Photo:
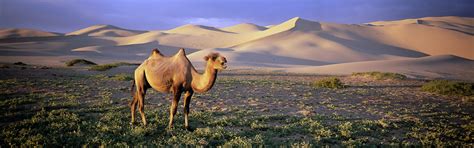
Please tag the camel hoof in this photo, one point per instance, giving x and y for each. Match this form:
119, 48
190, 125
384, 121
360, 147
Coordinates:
188, 128
170, 132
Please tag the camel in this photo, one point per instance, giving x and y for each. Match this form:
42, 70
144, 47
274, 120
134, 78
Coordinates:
174, 75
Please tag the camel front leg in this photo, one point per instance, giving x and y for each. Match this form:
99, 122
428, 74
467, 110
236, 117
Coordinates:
174, 107
187, 100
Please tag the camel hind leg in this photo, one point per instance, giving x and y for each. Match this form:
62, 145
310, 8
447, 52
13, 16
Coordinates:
133, 106
139, 95
141, 106
138, 98
174, 106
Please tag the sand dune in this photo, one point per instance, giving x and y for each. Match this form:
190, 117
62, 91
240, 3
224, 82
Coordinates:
325, 47
429, 40
244, 28
19, 33
431, 35
187, 36
105, 30
131, 52
440, 66
420, 47
151, 36
448, 20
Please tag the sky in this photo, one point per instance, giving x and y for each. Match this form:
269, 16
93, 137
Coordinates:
69, 15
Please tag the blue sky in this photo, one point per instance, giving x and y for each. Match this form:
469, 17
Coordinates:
65, 16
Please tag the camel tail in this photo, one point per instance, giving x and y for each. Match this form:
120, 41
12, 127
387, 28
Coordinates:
132, 91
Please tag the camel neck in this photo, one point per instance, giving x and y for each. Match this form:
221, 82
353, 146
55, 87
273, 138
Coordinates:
203, 82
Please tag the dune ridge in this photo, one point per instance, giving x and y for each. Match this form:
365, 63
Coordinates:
244, 28
105, 30
24, 32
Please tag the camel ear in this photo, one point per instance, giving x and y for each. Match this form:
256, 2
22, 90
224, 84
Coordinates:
154, 51
181, 51
211, 56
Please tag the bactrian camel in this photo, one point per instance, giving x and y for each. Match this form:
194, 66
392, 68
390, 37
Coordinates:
174, 75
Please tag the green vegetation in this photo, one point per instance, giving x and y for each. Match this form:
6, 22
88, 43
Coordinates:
19, 63
4, 66
79, 110
105, 67
117, 77
381, 75
122, 77
79, 61
330, 82
447, 87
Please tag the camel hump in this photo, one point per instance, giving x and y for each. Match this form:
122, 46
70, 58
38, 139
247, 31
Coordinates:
156, 53
181, 52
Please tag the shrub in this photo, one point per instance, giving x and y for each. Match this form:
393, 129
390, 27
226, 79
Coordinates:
381, 75
105, 67
79, 61
122, 77
330, 82
4, 66
446, 87
19, 63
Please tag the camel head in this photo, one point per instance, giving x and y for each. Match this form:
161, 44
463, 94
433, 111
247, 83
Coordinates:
217, 61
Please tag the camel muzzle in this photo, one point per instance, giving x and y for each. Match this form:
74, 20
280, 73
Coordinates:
224, 66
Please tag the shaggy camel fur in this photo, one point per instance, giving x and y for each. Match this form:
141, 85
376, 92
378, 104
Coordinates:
175, 75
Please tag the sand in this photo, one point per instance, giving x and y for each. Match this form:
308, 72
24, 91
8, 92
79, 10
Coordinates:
244, 28
423, 47
440, 66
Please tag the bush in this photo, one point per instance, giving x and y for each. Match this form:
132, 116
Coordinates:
4, 66
446, 87
381, 75
122, 77
330, 82
19, 63
105, 67
79, 61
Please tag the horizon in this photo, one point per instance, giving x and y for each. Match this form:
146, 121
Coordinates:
68, 16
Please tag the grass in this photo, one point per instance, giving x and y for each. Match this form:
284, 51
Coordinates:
122, 77
446, 87
93, 111
79, 61
330, 82
105, 67
117, 77
381, 75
